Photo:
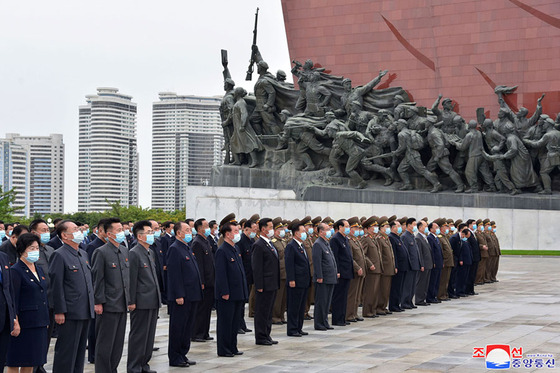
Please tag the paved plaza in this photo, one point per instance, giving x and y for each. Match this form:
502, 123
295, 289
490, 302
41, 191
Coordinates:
522, 310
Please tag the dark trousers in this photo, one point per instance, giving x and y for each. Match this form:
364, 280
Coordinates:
452, 287
242, 324
433, 288
203, 314
70, 347
409, 288
462, 278
422, 285
323, 298
471, 278
229, 317
109, 341
141, 339
395, 295
181, 320
4, 337
91, 341
296, 304
340, 301
264, 303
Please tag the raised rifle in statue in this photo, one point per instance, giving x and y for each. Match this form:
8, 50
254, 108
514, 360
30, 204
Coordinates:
252, 60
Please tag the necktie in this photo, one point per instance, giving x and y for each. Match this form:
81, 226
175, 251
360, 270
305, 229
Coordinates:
273, 249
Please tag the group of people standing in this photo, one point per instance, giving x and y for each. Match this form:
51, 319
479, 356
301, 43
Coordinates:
85, 286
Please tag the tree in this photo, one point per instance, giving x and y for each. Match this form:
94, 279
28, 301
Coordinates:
7, 208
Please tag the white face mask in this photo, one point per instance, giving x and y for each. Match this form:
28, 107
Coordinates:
270, 233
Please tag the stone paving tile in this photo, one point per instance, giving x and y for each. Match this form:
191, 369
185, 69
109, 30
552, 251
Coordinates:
521, 310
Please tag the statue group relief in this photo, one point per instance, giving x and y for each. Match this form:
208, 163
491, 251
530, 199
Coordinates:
361, 133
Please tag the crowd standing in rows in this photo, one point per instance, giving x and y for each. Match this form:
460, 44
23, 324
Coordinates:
84, 285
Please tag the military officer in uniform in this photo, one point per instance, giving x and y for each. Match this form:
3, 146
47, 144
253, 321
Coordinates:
480, 234
372, 283
387, 265
309, 225
111, 278
495, 258
145, 299
279, 243
447, 253
361, 264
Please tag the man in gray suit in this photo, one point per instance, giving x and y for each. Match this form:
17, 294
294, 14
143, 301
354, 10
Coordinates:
111, 286
145, 299
72, 292
325, 277
426, 255
411, 276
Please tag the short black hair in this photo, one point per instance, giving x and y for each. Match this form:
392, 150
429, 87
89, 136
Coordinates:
322, 227
109, 222
24, 241
227, 227
212, 223
57, 220
264, 222
101, 223
466, 232
62, 226
188, 220
177, 226
198, 223
470, 221
410, 221
461, 226
19, 229
249, 223
35, 223
139, 226
167, 224
295, 227
339, 223
392, 223
431, 225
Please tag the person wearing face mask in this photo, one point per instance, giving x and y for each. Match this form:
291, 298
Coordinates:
437, 256
447, 253
145, 299
40, 228
310, 231
342, 252
495, 252
360, 264
8, 322
402, 266
184, 293
157, 252
205, 259
452, 287
213, 237
480, 235
266, 274
9, 246
416, 263
425, 254
29, 348
2, 232
372, 282
231, 290
298, 279
325, 277
280, 302
111, 277
475, 254
463, 258
244, 246
387, 265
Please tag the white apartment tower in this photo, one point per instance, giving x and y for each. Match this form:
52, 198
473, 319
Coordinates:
187, 140
108, 154
34, 166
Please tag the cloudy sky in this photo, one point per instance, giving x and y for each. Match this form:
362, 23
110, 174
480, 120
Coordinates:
53, 53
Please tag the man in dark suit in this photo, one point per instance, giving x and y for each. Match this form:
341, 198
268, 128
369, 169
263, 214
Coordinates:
73, 302
416, 265
231, 291
245, 245
111, 277
213, 237
8, 322
205, 259
184, 292
55, 241
424, 275
158, 258
145, 299
298, 280
343, 256
463, 258
437, 256
8, 247
402, 266
266, 274
475, 254
325, 276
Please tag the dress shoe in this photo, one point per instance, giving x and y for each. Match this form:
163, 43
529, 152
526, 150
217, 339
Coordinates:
341, 324
180, 365
277, 323
264, 343
346, 323
191, 362
352, 320
149, 371
396, 310
321, 329
155, 349
330, 327
444, 300
422, 304
453, 297
241, 331
307, 317
387, 312
238, 353
294, 335
406, 307
359, 319
303, 333
225, 355
413, 306
284, 322
198, 340
369, 316
473, 293
273, 341
209, 338
247, 330
461, 295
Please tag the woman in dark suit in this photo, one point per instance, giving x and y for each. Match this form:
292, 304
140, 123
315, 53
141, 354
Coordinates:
29, 348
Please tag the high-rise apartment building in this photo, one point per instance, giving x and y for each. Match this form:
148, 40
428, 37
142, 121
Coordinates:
34, 166
108, 154
187, 140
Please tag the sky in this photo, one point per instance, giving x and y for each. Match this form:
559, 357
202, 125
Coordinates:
54, 53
